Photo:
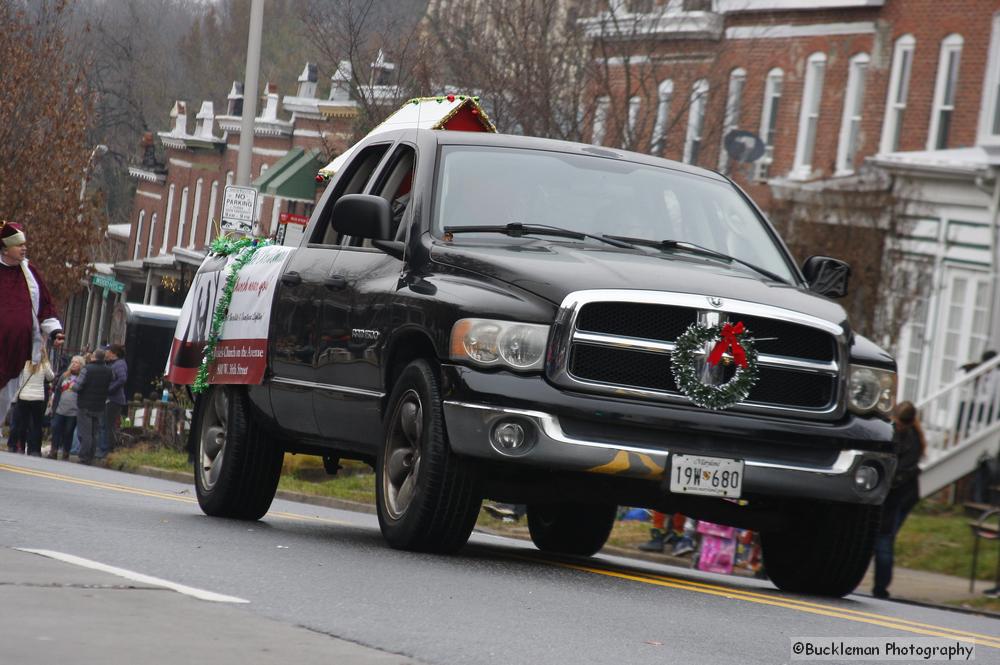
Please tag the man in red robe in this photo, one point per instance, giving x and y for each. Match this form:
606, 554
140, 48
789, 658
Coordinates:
26, 312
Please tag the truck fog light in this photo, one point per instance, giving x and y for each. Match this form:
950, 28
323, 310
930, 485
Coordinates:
866, 477
512, 436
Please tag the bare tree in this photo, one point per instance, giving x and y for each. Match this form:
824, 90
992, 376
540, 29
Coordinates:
45, 111
866, 225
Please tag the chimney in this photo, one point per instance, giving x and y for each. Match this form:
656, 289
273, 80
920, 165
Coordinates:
270, 111
206, 121
340, 89
236, 100
148, 145
307, 81
179, 114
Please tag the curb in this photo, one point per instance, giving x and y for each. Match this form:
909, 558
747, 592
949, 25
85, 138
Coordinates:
668, 559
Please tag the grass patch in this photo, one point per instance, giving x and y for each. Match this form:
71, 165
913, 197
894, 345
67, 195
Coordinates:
130, 459
938, 539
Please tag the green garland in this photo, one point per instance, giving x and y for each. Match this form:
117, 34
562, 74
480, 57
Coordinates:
245, 248
689, 346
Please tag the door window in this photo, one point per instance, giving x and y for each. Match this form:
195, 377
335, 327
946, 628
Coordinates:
353, 181
964, 323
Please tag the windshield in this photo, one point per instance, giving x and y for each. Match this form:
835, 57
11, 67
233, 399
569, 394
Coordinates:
480, 186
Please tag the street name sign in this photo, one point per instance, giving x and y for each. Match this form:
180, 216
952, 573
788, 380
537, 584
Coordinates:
109, 283
238, 209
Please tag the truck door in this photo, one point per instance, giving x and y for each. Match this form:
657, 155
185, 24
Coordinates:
297, 340
355, 315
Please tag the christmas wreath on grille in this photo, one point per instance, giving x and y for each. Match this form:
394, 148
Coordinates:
737, 341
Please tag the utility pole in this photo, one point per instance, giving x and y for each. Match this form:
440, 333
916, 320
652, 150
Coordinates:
250, 94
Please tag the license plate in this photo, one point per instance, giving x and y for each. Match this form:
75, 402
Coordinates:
711, 476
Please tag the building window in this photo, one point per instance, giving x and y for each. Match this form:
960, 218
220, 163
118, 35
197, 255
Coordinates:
166, 220
195, 212
769, 121
229, 178
182, 221
600, 120
850, 123
634, 104
138, 234
812, 95
734, 100
658, 142
989, 115
696, 121
212, 200
944, 92
899, 89
149, 235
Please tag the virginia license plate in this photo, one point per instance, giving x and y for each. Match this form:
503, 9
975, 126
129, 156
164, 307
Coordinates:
711, 476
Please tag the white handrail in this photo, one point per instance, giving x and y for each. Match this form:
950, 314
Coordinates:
981, 369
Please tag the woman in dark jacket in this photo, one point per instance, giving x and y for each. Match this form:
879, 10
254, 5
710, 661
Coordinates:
905, 492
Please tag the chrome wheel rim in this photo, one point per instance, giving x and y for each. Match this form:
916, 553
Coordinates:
401, 464
212, 442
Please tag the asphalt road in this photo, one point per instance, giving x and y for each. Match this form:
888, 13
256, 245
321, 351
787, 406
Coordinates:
321, 586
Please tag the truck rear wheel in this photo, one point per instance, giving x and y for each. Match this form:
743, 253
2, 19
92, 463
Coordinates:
237, 466
827, 550
571, 528
427, 497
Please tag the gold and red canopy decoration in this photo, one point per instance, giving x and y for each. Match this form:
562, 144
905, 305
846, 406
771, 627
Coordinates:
461, 113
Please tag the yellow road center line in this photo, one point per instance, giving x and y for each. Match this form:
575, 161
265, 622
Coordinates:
796, 601
787, 603
150, 493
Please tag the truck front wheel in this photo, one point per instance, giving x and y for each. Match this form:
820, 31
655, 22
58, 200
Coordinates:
825, 552
427, 497
571, 528
237, 466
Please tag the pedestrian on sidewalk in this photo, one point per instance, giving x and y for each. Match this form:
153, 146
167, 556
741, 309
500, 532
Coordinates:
111, 439
910, 444
92, 395
64, 409
30, 405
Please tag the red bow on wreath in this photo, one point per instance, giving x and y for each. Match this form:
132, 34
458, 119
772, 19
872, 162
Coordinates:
729, 341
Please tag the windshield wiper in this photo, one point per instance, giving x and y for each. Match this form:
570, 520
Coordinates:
696, 249
517, 230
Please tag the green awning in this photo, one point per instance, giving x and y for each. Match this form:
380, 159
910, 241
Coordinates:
293, 176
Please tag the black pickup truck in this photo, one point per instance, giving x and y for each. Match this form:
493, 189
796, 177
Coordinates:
490, 316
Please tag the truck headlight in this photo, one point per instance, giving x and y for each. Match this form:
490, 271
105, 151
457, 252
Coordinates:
492, 343
871, 390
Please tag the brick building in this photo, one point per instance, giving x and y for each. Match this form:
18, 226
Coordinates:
178, 200
842, 93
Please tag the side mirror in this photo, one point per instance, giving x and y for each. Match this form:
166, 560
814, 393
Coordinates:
827, 276
362, 216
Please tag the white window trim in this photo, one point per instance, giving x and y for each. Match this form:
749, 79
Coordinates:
696, 119
767, 111
599, 130
182, 221
734, 103
149, 235
903, 44
812, 103
950, 44
195, 212
212, 200
665, 93
138, 235
631, 122
166, 220
857, 70
991, 81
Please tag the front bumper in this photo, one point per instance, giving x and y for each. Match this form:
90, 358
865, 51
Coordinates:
556, 440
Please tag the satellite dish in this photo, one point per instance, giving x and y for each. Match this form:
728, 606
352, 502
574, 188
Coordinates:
744, 146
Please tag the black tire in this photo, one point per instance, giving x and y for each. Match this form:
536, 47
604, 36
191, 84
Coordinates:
826, 553
571, 528
427, 497
236, 469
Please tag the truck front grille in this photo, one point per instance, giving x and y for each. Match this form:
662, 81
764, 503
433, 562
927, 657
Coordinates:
624, 348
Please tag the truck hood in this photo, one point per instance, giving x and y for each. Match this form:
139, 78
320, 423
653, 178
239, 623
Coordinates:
553, 270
